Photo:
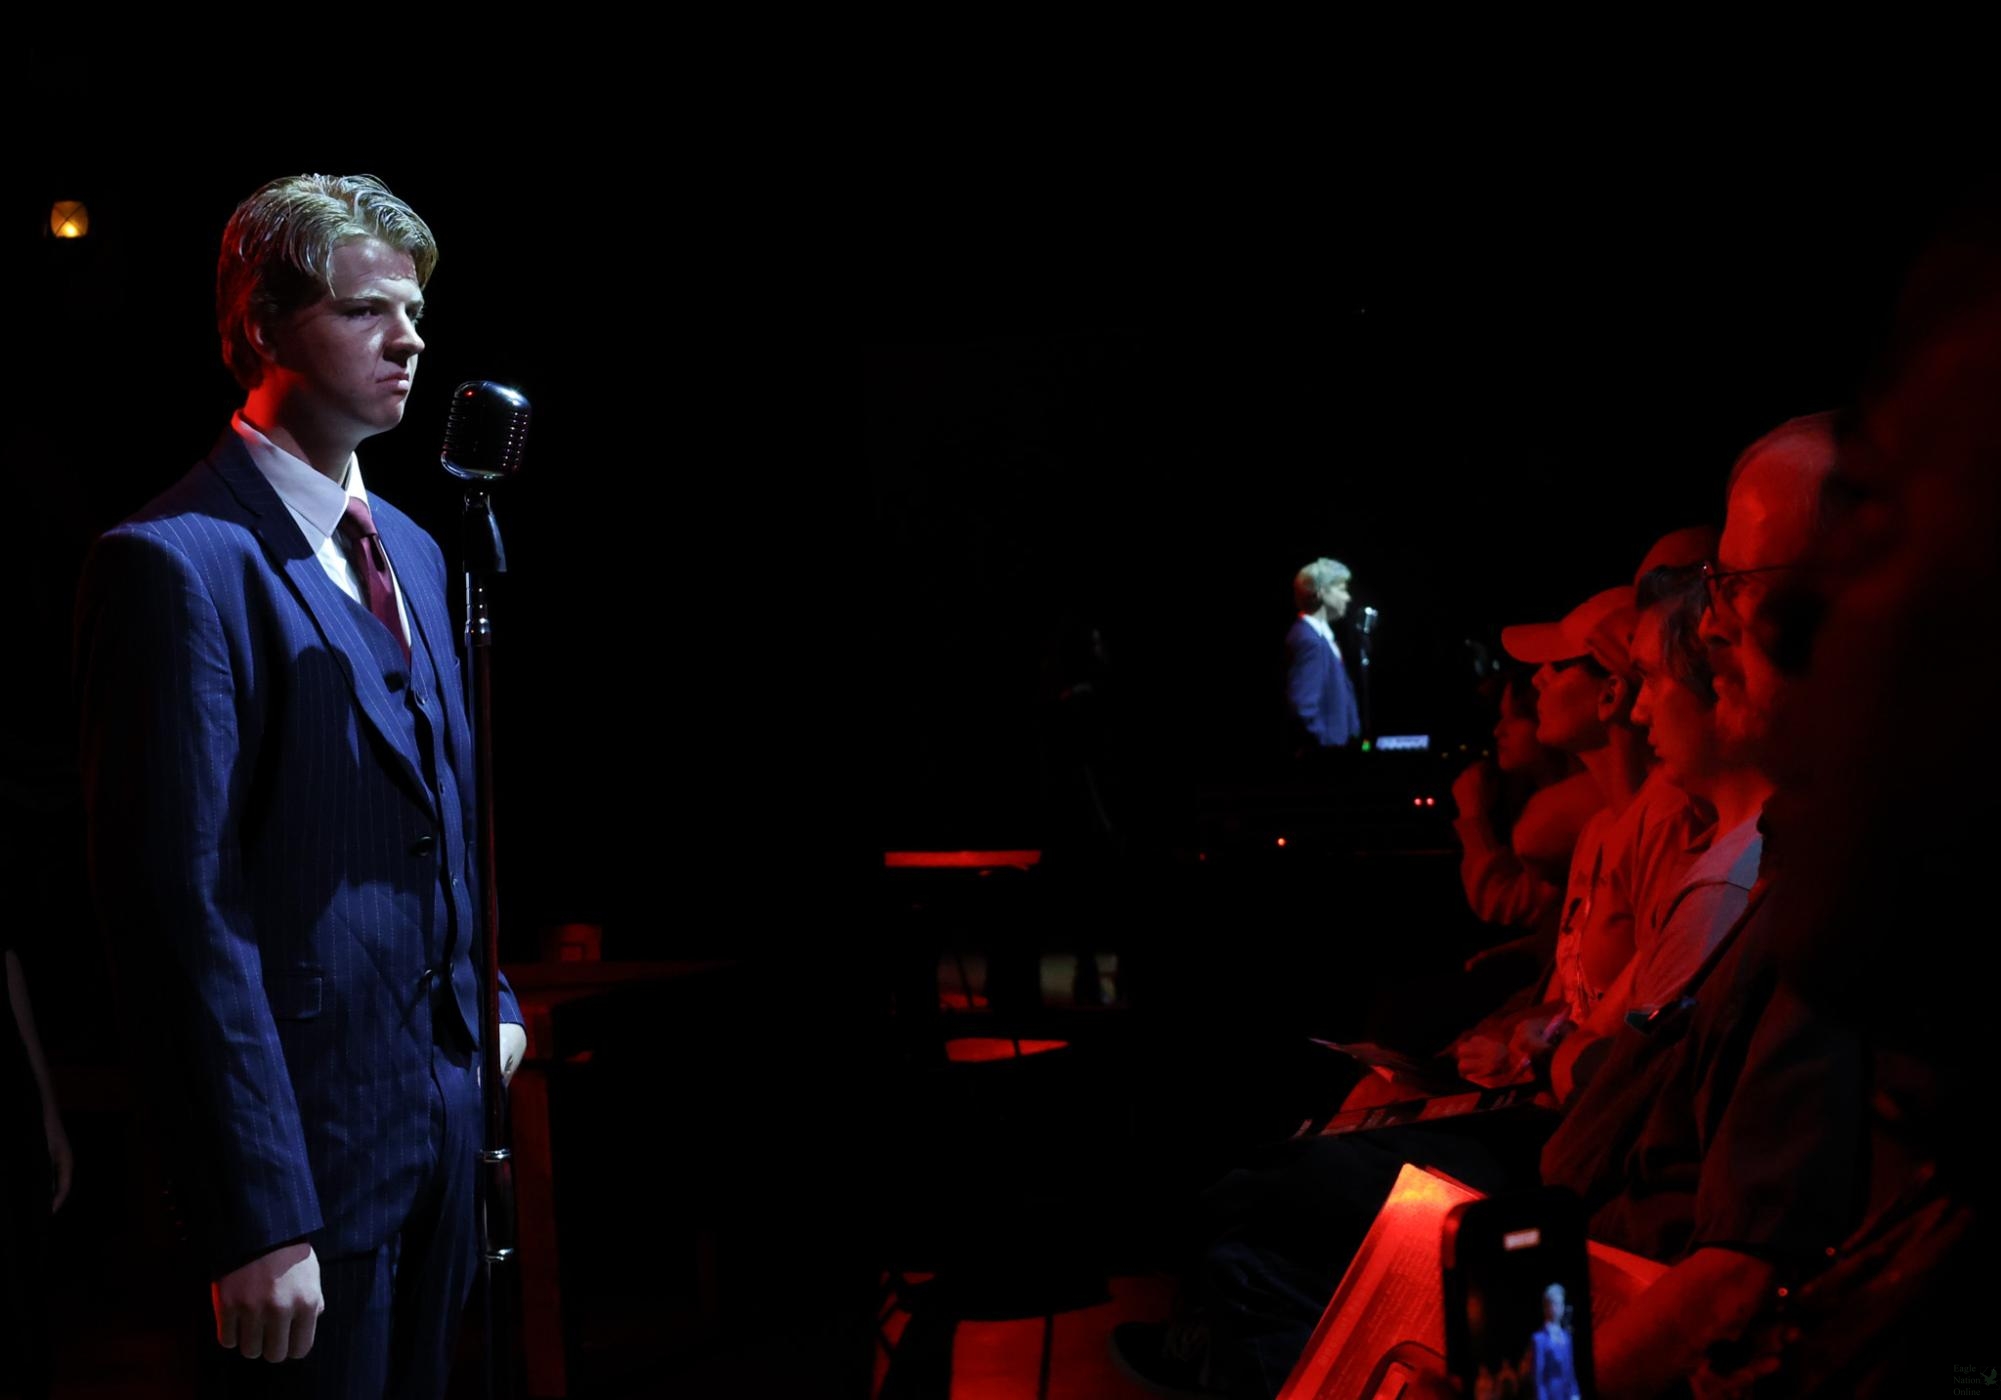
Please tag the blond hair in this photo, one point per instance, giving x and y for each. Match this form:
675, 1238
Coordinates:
277, 252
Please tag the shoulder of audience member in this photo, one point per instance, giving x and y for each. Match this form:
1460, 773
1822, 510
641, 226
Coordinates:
1665, 823
1547, 830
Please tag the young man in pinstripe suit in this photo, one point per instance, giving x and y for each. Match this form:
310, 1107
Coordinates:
277, 765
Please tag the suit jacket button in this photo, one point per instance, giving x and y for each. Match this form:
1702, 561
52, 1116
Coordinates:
423, 845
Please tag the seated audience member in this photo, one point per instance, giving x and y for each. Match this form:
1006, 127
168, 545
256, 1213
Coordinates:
1627, 855
1888, 802
1675, 704
1585, 693
1723, 1131
1516, 857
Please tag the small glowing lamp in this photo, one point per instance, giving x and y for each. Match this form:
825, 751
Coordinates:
69, 219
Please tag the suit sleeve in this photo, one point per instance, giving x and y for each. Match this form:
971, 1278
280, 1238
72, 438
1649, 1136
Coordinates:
1306, 677
167, 775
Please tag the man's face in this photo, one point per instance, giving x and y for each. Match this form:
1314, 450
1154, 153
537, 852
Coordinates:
1765, 529
1567, 706
1335, 596
347, 360
1680, 724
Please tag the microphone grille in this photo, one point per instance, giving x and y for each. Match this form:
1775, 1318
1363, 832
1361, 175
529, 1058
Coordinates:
486, 431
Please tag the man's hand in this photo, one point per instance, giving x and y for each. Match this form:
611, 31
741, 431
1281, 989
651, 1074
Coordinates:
1535, 1036
513, 1046
1475, 790
1484, 1060
270, 1307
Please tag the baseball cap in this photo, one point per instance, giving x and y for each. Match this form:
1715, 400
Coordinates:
1679, 549
1600, 627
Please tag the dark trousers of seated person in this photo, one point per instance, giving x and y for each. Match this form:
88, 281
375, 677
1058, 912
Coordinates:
1282, 1232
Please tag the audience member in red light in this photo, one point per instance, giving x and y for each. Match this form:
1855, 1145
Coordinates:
1890, 808
1636, 850
1585, 695
1514, 864
1676, 705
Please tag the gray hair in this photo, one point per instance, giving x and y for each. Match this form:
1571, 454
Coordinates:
1318, 575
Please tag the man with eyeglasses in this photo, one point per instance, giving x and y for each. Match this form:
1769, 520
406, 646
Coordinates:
1888, 811
1774, 514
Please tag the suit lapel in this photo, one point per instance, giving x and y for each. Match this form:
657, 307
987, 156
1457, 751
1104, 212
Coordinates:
338, 619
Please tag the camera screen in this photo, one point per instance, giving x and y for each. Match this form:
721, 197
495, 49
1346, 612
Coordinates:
1522, 1320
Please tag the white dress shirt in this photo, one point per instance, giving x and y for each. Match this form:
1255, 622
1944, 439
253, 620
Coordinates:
317, 505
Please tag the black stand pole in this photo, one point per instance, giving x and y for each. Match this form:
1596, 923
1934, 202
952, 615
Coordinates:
1365, 628
486, 556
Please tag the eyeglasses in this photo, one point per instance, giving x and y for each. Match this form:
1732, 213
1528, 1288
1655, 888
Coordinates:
1727, 585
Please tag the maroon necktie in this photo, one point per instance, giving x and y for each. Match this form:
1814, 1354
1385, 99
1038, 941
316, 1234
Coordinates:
371, 566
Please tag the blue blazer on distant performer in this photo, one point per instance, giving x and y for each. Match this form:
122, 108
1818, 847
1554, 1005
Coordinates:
282, 829
1318, 689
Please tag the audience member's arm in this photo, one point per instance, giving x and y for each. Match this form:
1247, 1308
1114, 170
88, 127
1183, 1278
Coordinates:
1781, 1175
1499, 887
1659, 1337
1575, 1057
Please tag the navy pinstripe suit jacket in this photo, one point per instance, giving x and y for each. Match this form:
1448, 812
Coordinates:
281, 823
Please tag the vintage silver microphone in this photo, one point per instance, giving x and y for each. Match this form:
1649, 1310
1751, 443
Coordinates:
486, 434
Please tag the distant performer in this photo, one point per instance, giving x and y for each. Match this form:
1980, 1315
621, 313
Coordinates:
1555, 1368
1317, 685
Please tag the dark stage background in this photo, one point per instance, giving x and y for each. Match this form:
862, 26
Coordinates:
1123, 378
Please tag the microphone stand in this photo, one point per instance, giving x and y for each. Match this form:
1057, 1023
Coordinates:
485, 555
1365, 627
